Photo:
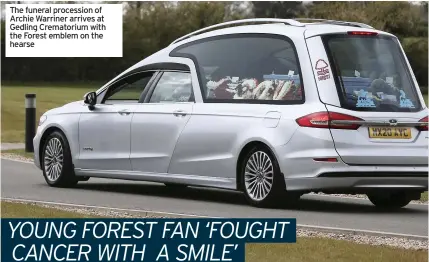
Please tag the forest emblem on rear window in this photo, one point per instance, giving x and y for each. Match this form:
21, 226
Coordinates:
322, 70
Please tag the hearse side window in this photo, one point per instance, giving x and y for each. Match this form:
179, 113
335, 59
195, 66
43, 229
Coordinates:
173, 87
128, 89
246, 68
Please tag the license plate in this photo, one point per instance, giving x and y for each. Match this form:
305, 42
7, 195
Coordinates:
390, 132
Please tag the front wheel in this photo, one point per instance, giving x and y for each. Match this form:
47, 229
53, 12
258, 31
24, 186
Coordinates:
262, 181
390, 200
56, 161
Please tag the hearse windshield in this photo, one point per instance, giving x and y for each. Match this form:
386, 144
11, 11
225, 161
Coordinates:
371, 73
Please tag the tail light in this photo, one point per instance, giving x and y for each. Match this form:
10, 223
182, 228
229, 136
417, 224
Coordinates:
362, 33
324, 120
424, 125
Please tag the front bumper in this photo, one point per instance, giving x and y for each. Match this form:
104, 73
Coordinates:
36, 146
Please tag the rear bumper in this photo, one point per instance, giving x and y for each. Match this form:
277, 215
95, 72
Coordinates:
342, 178
356, 184
303, 173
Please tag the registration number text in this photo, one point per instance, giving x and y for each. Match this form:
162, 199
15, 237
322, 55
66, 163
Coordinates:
390, 132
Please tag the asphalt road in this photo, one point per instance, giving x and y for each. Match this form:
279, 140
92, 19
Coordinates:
25, 181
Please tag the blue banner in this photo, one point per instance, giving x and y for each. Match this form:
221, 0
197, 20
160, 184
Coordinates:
138, 239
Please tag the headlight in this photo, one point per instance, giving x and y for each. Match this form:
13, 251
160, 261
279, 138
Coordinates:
42, 119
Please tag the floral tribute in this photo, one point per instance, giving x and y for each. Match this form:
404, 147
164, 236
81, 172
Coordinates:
251, 89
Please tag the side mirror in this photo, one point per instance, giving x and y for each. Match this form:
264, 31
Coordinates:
90, 99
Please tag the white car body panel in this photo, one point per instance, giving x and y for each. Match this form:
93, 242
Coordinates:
327, 89
104, 137
153, 123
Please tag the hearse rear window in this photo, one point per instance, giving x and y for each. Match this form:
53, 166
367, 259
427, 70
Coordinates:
246, 68
371, 73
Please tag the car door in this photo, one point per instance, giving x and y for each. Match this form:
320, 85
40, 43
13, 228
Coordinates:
158, 122
105, 129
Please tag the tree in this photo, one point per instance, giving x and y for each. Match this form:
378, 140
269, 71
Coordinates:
148, 26
416, 49
400, 18
277, 9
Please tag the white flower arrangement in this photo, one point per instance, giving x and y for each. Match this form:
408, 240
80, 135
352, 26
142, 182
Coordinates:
282, 90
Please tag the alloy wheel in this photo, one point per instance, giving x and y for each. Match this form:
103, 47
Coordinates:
53, 159
258, 176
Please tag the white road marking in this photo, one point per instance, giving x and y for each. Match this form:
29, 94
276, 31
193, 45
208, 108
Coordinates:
309, 227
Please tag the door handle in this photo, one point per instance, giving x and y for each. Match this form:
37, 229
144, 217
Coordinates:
179, 113
124, 112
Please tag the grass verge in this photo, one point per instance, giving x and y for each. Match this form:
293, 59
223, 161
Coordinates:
326, 250
13, 107
306, 249
424, 196
20, 210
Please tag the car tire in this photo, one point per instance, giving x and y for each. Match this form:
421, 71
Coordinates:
390, 200
56, 161
261, 180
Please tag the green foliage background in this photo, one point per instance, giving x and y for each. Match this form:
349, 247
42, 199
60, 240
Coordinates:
150, 26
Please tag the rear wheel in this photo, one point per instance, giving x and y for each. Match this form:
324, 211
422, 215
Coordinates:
56, 161
391, 200
262, 182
